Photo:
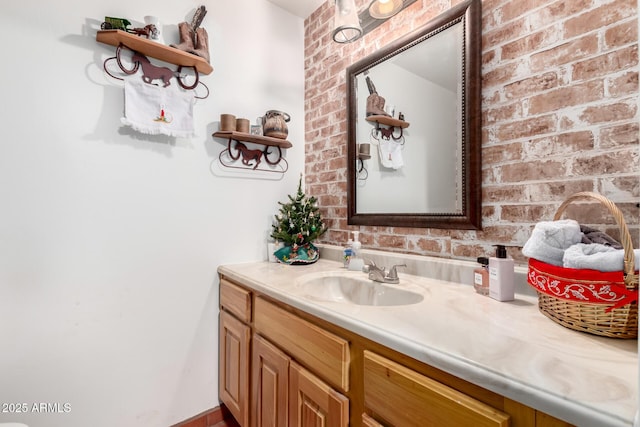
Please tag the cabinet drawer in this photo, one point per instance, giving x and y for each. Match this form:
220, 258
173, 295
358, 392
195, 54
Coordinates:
235, 300
323, 352
402, 397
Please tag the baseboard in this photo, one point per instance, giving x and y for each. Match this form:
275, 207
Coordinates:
207, 418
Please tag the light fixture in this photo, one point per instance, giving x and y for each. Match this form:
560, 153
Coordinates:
347, 25
383, 9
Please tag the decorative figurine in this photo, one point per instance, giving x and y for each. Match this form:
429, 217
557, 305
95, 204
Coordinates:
150, 31
155, 21
193, 38
111, 23
375, 103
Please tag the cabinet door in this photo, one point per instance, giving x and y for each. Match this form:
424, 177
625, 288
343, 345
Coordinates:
270, 385
234, 367
312, 403
319, 350
403, 397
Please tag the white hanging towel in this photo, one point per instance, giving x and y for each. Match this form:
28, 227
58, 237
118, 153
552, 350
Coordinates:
390, 154
154, 110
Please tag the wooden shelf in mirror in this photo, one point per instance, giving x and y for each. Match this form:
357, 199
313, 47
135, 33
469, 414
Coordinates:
388, 121
257, 139
154, 49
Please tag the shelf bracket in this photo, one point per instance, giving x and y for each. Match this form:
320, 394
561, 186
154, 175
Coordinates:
152, 72
251, 159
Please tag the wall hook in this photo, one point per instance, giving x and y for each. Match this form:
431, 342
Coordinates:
363, 173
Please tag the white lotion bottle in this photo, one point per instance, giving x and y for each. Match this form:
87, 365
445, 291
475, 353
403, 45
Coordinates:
356, 263
501, 278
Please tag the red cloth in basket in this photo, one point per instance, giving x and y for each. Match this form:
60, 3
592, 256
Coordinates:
583, 286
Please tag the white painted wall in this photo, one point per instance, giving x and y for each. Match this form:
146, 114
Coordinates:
110, 240
428, 154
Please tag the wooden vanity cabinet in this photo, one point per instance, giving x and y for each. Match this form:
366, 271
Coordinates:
405, 397
313, 403
267, 381
319, 350
234, 350
270, 389
367, 421
283, 393
305, 371
234, 366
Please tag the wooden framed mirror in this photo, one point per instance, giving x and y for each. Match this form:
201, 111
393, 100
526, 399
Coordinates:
424, 162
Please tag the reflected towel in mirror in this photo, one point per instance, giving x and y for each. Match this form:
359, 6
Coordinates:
390, 154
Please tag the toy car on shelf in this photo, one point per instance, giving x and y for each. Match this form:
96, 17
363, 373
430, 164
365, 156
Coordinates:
111, 23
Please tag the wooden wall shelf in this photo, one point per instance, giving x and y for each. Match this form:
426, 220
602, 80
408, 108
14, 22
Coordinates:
256, 139
154, 49
388, 121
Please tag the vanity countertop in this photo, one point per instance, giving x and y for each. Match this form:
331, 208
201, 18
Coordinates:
507, 347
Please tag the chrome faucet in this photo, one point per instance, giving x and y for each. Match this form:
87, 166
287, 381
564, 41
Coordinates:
377, 274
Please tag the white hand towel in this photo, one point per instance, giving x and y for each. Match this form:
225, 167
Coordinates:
549, 240
596, 256
157, 110
390, 154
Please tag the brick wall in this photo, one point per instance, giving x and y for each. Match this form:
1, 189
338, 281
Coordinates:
560, 100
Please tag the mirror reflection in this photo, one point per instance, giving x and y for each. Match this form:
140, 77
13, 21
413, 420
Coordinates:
414, 127
430, 148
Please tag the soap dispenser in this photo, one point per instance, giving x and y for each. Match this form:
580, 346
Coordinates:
356, 263
501, 278
347, 252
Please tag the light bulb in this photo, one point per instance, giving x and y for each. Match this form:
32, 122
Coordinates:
384, 9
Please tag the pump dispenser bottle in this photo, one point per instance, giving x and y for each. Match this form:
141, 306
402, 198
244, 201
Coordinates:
347, 252
481, 276
501, 279
356, 263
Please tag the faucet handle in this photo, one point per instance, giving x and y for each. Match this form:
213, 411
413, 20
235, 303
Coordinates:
370, 265
393, 272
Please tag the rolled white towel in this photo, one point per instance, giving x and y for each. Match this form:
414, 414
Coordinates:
549, 240
596, 256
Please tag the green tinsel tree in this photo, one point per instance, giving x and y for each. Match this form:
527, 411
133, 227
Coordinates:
299, 221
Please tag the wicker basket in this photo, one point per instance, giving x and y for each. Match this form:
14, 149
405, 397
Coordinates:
588, 300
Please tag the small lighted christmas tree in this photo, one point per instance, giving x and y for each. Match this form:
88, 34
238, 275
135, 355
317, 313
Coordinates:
297, 225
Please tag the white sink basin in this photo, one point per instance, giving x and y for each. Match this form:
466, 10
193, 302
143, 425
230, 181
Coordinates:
354, 288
